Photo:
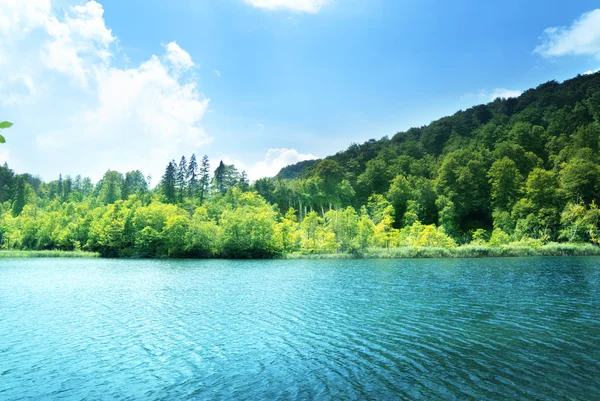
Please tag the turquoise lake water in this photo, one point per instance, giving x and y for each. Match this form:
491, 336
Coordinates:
478, 329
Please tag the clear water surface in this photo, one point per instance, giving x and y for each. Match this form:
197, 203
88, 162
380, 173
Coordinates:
479, 329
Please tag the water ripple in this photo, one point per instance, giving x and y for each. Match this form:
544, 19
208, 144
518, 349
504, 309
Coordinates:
351, 330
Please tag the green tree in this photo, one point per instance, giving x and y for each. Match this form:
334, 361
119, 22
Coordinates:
580, 179
20, 200
181, 178
219, 178
287, 232
399, 194
505, 181
193, 177
109, 187
168, 183
204, 178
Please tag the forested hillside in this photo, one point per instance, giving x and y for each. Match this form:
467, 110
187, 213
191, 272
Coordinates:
519, 164
522, 171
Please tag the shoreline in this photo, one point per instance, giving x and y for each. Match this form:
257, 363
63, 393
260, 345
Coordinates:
464, 252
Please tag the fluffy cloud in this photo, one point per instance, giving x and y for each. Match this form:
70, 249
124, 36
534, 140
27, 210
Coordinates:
486, 96
590, 72
178, 57
309, 6
581, 38
502, 93
71, 45
275, 160
16, 89
105, 116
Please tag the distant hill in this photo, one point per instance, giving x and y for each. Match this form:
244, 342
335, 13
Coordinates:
296, 170
516, 164
532, 106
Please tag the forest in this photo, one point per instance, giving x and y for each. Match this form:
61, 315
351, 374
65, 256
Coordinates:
517, 172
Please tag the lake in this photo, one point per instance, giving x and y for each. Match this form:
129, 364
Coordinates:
475, 329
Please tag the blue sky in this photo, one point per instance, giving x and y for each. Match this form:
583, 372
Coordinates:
261, 83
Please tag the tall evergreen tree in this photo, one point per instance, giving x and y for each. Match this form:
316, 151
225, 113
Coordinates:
67, 188
167, 184
181, 178
244, 183
204, 178
192, 177
77, 187
219, 178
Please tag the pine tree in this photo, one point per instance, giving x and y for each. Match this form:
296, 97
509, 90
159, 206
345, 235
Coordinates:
181, 178
244, 183
192, 177
219, 178
77, 187
168, 182
67, 188
204, 178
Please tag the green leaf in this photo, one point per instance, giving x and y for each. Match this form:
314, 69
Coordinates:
5, 124
2, 140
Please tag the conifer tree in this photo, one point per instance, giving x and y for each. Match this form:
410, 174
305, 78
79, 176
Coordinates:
219, 178
181, 178
244, 183
204, 178
192, 177
168, 182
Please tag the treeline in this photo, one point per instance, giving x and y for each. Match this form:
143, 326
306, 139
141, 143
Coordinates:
185, 218
522, 171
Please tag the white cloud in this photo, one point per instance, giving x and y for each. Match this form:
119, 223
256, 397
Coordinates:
79, 43
486, 96
581, 38
590, 72
217, 73
179, 58
502, 93
118, 118
146, 115
16, 89
309, 6
275, 160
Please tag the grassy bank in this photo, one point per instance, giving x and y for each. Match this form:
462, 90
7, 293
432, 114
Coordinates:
467, 251
47, 254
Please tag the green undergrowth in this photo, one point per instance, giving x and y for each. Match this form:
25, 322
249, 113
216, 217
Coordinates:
466, 251
48, 254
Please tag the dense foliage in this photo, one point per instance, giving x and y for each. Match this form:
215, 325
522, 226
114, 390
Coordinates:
521, 172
